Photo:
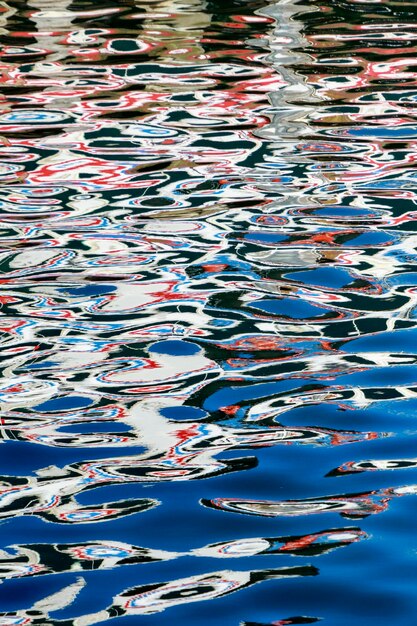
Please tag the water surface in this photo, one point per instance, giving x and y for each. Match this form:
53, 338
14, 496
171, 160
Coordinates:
208, 312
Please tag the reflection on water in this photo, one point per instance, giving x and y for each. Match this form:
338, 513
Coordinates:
207, 290
152, 598
40, 559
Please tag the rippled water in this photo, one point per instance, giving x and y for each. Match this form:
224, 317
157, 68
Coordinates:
208, 290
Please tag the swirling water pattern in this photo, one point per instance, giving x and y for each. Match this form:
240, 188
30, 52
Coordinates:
208, 290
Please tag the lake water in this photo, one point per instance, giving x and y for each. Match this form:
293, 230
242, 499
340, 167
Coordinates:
208, 313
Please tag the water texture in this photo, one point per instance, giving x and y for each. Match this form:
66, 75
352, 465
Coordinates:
208, 312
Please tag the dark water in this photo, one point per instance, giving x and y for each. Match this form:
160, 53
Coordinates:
208, 312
